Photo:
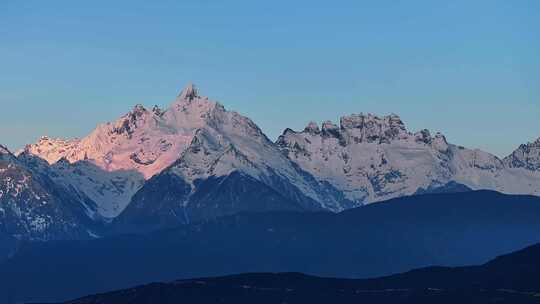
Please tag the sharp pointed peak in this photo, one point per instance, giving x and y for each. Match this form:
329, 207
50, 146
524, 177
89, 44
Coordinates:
190, 91
312, 127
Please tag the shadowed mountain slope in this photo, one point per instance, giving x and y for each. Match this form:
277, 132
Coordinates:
379, 239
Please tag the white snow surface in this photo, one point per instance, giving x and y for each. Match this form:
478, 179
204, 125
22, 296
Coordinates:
373, 158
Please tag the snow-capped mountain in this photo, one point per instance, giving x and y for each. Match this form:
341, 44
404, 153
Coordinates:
195, 138
196, 160
112, 163
33, 207
228, 166
373, 158
101, 192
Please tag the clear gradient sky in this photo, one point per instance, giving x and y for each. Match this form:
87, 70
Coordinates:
470, 69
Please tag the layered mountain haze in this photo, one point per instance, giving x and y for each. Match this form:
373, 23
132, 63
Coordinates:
195, 160
378, 239
506, 279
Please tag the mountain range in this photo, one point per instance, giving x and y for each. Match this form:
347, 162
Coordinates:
448, 229
194, 161
507, 279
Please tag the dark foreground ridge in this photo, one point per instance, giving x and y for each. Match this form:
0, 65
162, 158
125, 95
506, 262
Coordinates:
508, 279
381, 239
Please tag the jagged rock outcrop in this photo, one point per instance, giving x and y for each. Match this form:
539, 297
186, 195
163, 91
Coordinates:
371, 158
527, 156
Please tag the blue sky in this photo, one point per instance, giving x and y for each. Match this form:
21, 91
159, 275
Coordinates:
470, 69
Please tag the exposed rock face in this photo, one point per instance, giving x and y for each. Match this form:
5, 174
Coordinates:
527, 156
359, 128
